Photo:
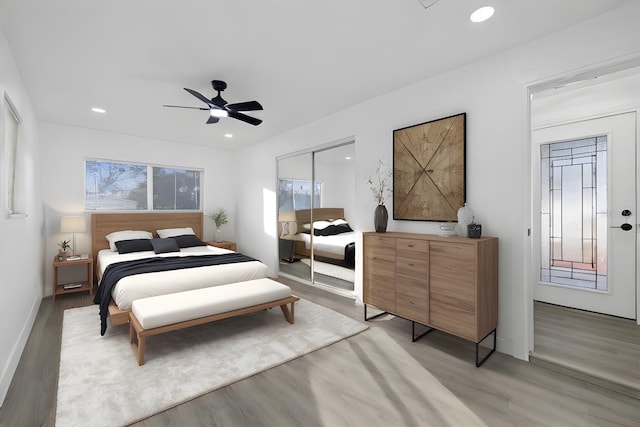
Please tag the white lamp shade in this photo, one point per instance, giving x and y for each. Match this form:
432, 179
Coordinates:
72, 224
288, 216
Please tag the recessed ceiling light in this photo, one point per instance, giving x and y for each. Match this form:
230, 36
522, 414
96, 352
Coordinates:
347, 158
98, 110
482, 14
228, 135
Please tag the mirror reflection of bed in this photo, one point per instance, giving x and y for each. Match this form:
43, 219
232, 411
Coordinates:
332, 240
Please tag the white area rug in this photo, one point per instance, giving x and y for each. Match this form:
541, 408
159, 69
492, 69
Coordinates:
332, 270
100, 383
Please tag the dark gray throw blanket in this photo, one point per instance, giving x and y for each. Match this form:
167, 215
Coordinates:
116, 271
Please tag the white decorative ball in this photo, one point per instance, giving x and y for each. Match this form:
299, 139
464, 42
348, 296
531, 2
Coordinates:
465, 217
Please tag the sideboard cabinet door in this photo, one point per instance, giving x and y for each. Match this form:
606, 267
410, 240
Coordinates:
379, 271
452, 289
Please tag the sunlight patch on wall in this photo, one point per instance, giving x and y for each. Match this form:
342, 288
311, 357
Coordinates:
269, 212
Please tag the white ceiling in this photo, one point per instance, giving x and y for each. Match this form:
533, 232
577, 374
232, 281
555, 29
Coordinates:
302, 60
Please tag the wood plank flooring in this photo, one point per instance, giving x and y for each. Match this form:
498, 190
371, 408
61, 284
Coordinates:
503, 392
602, 349
299, 269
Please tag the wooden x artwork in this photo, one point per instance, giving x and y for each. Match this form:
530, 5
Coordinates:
429, 170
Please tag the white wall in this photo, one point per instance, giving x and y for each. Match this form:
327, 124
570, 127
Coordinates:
64, 149
338, 184
21, 254
493, 94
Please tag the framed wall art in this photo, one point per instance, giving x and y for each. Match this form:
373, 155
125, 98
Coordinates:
429, 170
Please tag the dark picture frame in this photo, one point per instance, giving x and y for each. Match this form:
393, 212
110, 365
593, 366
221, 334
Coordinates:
429, 170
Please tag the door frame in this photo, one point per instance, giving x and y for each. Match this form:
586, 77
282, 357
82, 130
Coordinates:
528, 90
613, 300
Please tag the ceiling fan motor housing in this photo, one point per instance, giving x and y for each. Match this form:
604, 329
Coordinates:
218, 85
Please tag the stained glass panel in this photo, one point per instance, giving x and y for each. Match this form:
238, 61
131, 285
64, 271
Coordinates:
573, 213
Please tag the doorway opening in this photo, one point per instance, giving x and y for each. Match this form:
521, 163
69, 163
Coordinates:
584, 243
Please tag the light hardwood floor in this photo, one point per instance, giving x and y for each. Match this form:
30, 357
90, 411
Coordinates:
299, 269
601, 349
503, 392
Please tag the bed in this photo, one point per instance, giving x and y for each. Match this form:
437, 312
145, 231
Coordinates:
129, 288
335, 241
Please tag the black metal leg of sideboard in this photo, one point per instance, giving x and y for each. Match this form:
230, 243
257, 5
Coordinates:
480, 362
415, 338
372, 317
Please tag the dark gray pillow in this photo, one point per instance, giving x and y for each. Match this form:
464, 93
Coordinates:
332, 230
188, 241
134, 245
162, 246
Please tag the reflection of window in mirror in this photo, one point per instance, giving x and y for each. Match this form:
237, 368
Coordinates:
14, 204
295, 194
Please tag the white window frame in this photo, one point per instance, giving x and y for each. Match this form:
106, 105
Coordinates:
149, 187
10, 152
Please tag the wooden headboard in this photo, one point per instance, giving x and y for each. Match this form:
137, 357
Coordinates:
105, 223
303, 216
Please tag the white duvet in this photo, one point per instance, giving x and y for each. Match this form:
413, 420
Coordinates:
131, 288
332, 244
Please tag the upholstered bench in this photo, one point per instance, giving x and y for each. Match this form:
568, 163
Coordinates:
164, 313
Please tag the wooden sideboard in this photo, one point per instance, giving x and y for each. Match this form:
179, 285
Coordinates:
445, 283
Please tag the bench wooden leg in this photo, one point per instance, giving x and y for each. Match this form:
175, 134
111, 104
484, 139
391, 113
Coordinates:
289, 315
137, 341
140, 353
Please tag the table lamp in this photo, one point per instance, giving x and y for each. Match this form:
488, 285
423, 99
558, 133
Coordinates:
73, 224
285, 219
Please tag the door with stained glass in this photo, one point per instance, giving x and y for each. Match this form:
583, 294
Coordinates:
587, 226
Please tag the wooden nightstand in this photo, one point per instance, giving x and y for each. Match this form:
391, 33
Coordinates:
87, 285
224, 245
286, 249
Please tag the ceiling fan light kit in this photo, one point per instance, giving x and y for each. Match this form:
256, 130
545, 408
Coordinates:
219, 113
218, 107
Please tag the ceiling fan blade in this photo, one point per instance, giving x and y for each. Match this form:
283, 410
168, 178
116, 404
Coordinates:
245, 106
198, 95
181, 106
245, 118
213, 119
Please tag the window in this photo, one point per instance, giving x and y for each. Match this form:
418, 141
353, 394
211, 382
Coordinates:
175, 189
129, 186
11, 126
294, 194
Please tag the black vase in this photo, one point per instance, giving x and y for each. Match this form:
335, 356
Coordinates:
380, 218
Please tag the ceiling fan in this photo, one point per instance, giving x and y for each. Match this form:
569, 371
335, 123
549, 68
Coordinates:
218, 107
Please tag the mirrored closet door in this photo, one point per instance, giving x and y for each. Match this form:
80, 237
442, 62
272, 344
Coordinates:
315, 201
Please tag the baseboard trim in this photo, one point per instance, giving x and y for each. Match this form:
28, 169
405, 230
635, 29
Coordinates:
16, 352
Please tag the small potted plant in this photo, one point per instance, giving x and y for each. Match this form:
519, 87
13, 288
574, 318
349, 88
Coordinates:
219, 218
64, 246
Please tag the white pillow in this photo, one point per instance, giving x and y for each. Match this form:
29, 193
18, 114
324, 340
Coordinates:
172, 232
321, 225
317, 225
339, 222
117, 236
